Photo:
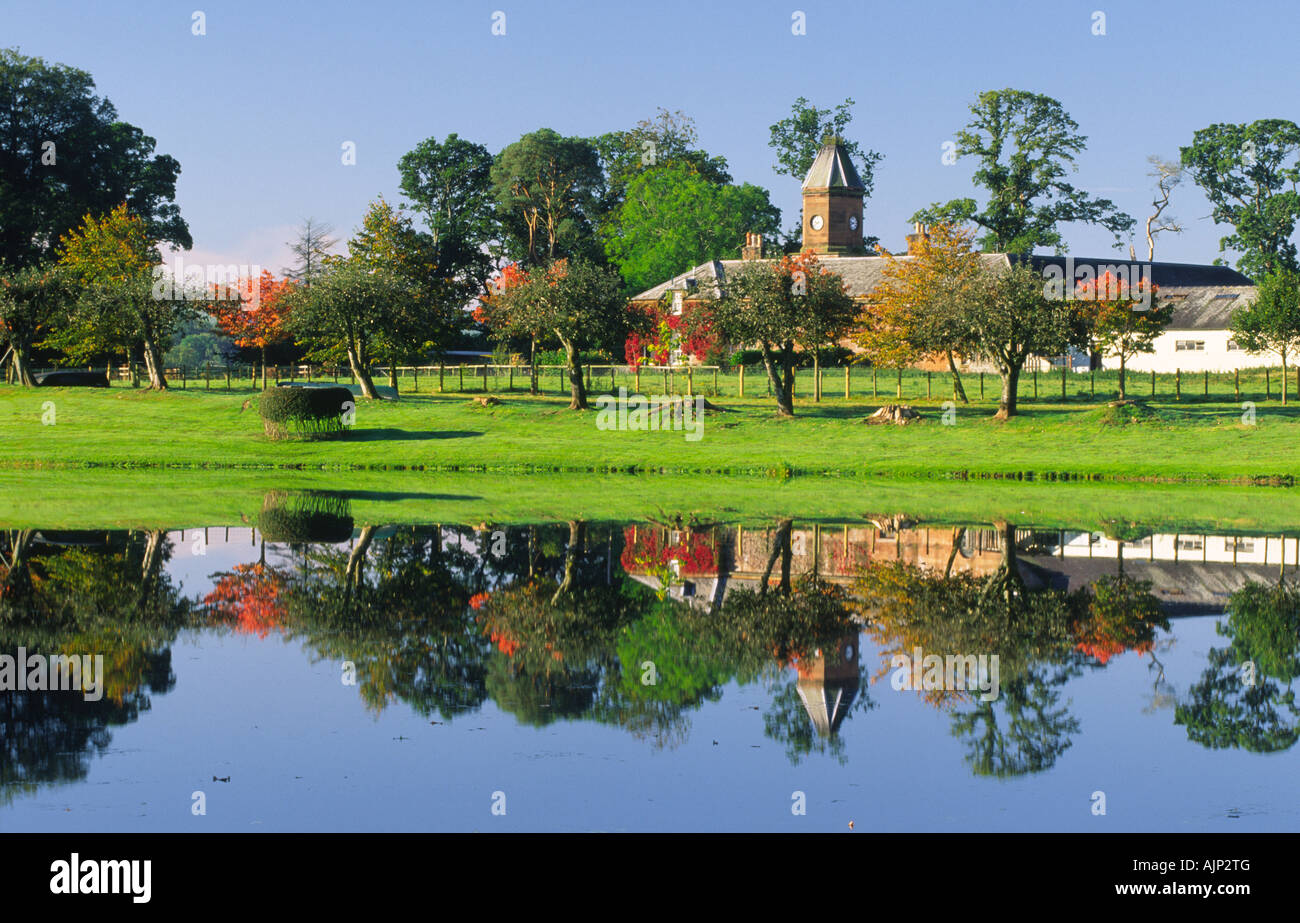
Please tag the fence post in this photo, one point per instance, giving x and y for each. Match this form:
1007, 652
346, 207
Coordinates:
1207, 382
873, 382
1178, 384
1063, 381
981, 386
1035, 382
900, 382
690, 380
182, 378
742, 380
1236, 382
612, 389
715, 382
1268, 385
665, 371
461, 369
227, 378
1153, 382
1092, 384
485, 368
636, 377
846, 382
928, 382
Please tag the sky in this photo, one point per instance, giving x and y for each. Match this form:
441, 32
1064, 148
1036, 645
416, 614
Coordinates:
258, 108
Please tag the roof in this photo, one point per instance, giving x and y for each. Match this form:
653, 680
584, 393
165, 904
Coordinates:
1204, 297
833, 169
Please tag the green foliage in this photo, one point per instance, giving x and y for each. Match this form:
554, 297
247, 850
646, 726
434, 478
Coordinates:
1272, 322
306, 411
305, 517
98, 161
1024, 143
1249, 173
797, 138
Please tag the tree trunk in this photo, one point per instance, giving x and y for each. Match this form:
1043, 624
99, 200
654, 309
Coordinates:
817, 376
361, 373
577, 388
577, 539
153, 365
392, 376
1284, 378
957, 386
1123, 363
22, 366
782, 380
1010, 390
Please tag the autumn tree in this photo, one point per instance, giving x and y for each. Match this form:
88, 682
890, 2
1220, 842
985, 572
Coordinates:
121, 307
253, 313
1122, 320
32, 301
1271, 324
918, 309
1024, 145
780, 305
575, 302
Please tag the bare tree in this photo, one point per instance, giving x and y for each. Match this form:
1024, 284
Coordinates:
1168, 174
310, 249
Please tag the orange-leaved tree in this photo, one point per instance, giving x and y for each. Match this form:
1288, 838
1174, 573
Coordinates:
1122, 319
253, 311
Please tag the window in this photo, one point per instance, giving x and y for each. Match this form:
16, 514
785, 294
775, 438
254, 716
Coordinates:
1232, 345
1228, 297
1190, 544
1188, 345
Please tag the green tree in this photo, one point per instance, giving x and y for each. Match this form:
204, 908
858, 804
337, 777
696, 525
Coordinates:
65, 153
450, 183
575, 301
32, 299
547, 188
1272, 322
1249, 174
779, 305
1023, 143
673, 219
1122, 320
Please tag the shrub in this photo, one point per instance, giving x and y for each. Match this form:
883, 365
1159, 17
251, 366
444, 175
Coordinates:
303, 518
71, 379
304, 411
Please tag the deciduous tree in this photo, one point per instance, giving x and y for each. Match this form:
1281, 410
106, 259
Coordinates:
1271, 324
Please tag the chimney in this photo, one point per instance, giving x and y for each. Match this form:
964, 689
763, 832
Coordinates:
916, 239
753, 249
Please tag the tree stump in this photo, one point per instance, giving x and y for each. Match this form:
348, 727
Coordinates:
897, 414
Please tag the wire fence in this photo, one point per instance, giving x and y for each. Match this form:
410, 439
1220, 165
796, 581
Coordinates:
844, 383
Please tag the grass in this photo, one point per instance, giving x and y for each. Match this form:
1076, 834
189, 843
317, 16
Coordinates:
178, 498
1203, 441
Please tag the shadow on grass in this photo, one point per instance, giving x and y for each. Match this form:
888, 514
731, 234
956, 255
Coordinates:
394, 495
390, 434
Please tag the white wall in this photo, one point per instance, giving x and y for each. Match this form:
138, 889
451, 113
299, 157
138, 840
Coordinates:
1215, 357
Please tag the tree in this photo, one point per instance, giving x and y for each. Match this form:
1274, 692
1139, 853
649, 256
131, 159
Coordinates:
1023, 143
121, 306
1249, 174
797, 138
255, 316
1011, 318
1168, 175
31, 300
673, 219
546, 189
1122, 320
450, 183
64, 153
781, 304
1272, 322
577, 302
311, 247
918, 308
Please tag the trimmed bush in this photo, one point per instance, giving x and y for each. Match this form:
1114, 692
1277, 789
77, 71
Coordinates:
306, 412
304, 518
71, 379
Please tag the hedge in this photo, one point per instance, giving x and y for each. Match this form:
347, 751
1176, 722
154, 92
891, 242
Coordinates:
71, 379
305, 517
305, 411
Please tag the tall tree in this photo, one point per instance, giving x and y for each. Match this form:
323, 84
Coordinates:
312, 245
780, 305
576, 302
673, 219
450, 184
1271, 324
546, 189
1024, 143
1249, 173
65, 153
1168, 175
121, 306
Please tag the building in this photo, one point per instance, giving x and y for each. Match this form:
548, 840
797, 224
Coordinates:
1205, 297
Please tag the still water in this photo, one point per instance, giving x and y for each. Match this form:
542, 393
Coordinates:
308, 672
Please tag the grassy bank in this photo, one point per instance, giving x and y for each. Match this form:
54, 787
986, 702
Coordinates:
175, 498
1196, 441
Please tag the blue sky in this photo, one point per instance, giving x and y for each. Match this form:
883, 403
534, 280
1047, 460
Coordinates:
257, 109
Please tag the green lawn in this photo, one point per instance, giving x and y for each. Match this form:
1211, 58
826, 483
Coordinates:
1183, 440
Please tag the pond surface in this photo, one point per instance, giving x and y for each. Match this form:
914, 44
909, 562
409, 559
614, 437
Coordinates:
313, 673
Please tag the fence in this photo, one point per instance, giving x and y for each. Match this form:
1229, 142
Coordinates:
845, 383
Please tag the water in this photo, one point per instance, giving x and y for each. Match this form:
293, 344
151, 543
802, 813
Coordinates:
486, 700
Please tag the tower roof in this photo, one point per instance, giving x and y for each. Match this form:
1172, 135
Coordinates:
833, 168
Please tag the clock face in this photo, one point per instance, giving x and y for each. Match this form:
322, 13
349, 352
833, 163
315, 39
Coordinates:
853, 222
816, 222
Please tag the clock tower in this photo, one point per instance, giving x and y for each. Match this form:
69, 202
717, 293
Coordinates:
832, 203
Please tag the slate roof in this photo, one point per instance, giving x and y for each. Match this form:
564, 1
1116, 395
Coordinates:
1200, 293
833, 168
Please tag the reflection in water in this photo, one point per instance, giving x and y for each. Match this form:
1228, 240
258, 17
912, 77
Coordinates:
639, 626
